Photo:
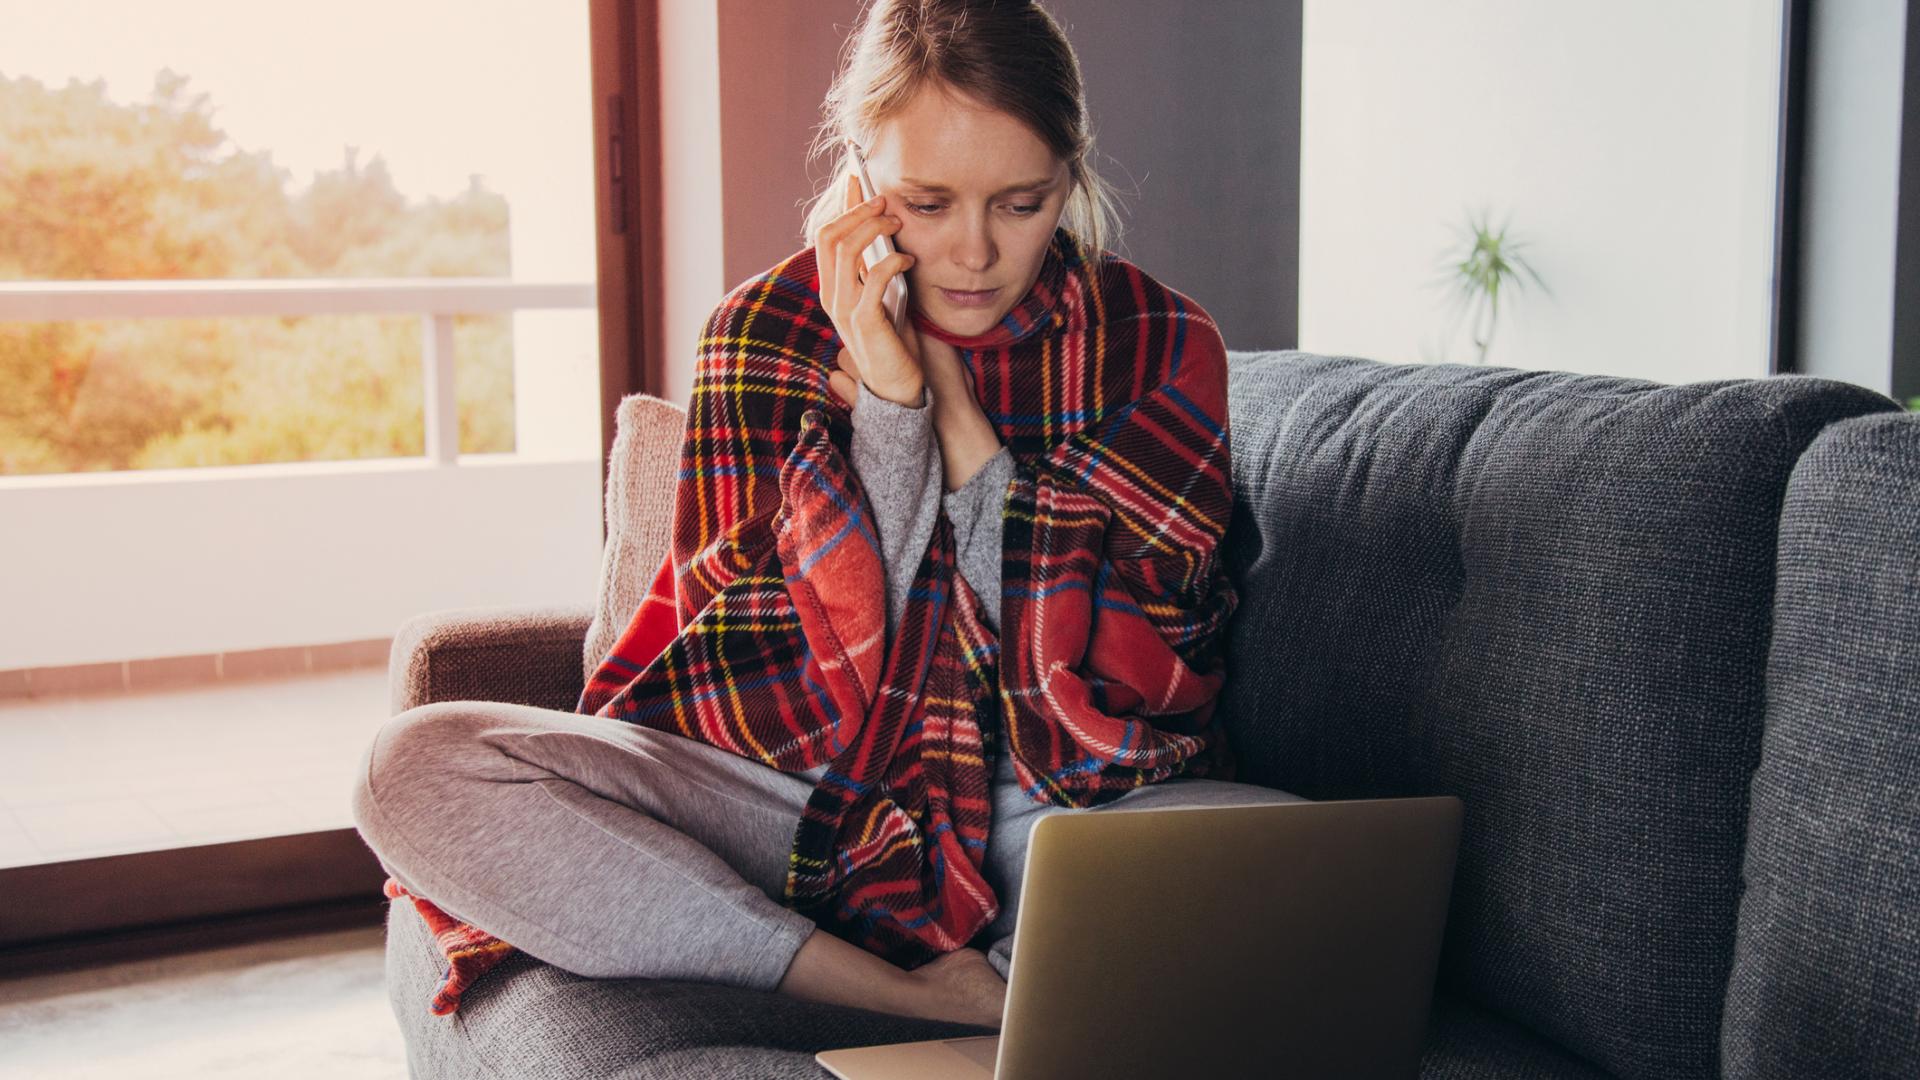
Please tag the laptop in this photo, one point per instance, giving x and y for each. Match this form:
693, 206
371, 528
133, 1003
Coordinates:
1275, 940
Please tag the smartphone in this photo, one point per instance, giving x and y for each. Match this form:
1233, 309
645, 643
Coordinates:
894, 298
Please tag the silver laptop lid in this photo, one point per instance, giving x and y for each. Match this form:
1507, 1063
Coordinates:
1294, 939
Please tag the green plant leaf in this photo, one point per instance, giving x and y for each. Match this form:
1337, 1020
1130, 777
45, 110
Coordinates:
1483, 260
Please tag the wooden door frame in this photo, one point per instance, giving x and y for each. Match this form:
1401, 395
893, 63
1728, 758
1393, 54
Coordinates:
626, 149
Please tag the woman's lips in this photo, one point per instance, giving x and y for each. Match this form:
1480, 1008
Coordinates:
969, 299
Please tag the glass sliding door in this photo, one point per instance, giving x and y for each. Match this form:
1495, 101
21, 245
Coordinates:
298, 339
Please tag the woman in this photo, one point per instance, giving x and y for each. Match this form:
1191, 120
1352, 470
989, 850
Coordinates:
926, 586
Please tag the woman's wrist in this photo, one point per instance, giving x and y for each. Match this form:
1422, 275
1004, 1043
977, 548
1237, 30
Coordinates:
908, 392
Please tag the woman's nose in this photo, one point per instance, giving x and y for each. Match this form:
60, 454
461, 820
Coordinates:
975, 251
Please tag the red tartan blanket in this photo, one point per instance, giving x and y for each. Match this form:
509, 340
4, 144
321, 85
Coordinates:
764, 631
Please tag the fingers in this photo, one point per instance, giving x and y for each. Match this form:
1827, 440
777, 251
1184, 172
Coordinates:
845, 382
852, 204
876, 284
849, 370
849, 255
946, 373
852, 293
937, 355
855, 211
942, 364
843, 387
840, 242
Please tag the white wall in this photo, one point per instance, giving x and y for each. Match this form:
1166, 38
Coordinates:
171, 562
692, 250
1632, 142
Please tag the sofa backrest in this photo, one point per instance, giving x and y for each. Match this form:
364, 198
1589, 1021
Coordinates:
1826, 969
1550, 595
642, 467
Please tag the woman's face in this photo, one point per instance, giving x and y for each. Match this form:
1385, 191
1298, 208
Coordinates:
978, 196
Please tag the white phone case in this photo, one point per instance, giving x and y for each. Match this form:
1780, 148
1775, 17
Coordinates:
894, 298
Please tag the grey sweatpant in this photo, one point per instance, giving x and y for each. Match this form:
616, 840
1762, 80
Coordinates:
612, 850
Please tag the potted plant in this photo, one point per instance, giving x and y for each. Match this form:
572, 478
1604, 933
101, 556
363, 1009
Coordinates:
1475, 270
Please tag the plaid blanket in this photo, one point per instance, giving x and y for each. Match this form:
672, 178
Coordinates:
764, 631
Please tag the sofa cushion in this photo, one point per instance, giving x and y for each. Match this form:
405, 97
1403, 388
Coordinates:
1826, 971
1550, 595
529, 1020
641, 469
1465, 1042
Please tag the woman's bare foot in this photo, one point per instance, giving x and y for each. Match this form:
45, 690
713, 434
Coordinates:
960, 986
964, 987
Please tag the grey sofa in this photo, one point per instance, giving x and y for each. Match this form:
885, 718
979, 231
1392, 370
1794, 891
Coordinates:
1663, 641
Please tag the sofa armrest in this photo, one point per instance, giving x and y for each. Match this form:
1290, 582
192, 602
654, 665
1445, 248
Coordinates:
526, 655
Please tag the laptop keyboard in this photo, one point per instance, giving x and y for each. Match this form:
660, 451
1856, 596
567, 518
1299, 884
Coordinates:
981, 1050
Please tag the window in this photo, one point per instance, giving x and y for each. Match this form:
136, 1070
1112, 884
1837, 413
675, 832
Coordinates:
298, 340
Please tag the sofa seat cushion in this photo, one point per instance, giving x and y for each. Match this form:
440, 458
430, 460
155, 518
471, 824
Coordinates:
529, 1020
1465, 1042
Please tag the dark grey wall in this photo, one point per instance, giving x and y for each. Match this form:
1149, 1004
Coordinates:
1196, 119
776, 59
1196, 111
1904, 376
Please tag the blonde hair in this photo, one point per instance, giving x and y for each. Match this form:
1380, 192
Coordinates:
1008, 55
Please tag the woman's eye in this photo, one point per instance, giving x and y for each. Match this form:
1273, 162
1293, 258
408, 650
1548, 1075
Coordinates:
928, 208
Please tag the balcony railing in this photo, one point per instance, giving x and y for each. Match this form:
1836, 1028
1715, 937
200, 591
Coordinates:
435, 300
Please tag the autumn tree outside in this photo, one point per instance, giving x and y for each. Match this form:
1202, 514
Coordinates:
94, 190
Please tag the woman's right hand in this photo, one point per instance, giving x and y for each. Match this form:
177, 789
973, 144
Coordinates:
875, 354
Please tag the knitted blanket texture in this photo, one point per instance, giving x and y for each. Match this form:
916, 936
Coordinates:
764, 631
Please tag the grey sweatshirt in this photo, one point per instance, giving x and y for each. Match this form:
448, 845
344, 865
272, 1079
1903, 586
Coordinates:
897, 456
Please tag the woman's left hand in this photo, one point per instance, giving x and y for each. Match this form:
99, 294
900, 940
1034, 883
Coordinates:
967, 438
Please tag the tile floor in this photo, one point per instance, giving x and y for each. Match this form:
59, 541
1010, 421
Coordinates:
311, 1007
110, 773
